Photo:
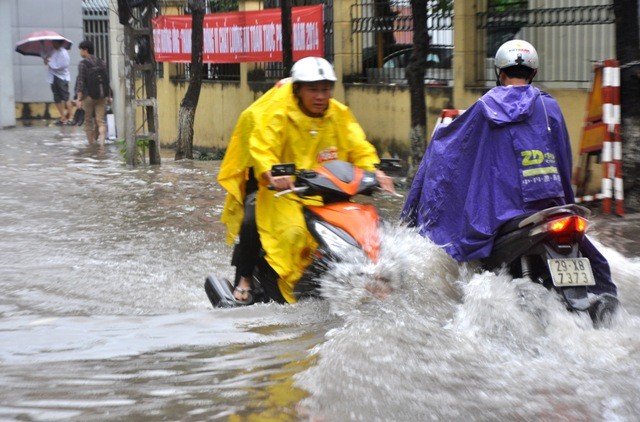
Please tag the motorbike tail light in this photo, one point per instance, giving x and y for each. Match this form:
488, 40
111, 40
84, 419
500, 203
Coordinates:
581, 224
560, 226
567, 229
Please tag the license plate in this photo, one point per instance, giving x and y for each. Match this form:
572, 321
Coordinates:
571, 272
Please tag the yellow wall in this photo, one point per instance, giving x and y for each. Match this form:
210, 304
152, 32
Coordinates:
573, 104
385, 112
37, 110
218, 109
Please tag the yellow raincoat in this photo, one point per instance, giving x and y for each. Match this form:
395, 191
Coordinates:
287, 135
234, 170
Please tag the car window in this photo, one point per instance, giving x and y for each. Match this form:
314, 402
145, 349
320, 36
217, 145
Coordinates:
433, 58
436, 56
392, 63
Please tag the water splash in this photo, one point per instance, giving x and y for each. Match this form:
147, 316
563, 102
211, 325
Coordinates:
408, 267
453, 342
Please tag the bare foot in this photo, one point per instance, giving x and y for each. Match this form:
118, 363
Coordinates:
242, 291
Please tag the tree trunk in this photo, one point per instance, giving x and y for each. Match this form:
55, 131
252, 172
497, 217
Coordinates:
189, 104
385, 38
628, 53
415, 77
287, 46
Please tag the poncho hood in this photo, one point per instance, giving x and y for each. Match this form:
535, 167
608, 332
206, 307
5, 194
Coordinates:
508, 104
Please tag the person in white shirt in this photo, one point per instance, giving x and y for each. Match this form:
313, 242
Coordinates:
59, 77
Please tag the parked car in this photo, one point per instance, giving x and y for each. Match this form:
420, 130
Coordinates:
438, 71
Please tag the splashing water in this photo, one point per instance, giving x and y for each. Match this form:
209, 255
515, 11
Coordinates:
452, 342
103, 315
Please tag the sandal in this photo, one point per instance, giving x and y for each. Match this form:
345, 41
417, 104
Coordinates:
248, 300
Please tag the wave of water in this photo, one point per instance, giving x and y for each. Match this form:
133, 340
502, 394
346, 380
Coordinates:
452, 343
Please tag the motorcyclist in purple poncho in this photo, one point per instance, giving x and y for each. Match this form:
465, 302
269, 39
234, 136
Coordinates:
509, 154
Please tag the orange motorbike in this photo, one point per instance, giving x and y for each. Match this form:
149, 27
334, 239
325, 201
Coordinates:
340, 226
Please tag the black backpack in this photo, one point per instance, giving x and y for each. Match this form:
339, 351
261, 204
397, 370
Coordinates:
97, 80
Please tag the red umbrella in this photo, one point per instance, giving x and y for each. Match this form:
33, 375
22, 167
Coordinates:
40, 43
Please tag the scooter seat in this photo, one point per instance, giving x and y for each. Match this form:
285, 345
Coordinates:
512, 225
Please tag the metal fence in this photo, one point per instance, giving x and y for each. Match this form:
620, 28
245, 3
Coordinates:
569, 38
570, 35
95, 17
382, 38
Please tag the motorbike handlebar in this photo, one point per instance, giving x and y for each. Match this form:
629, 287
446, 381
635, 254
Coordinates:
396, 194
286, 191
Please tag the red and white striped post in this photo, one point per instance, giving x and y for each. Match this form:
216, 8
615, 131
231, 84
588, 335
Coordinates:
612, 185
447, 115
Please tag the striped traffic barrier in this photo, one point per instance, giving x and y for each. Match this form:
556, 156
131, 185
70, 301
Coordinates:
612, 184
611, 152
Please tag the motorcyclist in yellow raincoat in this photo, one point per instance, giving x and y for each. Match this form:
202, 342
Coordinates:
302, 124
236, 176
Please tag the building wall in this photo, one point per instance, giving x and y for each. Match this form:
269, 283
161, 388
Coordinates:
30, 73
218, 109
383, 111
7, 98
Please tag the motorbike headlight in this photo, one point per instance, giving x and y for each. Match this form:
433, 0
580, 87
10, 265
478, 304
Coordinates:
337, 245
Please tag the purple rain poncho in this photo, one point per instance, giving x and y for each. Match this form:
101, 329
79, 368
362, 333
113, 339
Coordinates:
506, 155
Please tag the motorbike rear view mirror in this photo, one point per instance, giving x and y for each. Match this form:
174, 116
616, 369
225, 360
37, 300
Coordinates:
287, 169
390, 165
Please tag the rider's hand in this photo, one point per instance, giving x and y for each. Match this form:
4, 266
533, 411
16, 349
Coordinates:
385, 181
279, 183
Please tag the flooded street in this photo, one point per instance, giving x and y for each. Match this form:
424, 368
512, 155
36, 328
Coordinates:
104, 317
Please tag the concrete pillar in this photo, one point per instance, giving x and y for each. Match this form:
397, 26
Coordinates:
245, 68
341, 45
116, 71
7, 95
466, 57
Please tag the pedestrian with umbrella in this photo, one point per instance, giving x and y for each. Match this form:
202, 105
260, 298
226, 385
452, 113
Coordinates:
52, 47
59, 78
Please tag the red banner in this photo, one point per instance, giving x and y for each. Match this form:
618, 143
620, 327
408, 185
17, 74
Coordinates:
235, 37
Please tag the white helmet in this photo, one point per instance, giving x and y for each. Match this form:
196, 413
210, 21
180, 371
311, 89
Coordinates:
313, 69
514, 53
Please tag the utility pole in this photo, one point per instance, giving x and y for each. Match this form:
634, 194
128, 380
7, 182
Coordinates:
140, 79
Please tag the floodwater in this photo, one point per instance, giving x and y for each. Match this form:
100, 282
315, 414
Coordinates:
104, 317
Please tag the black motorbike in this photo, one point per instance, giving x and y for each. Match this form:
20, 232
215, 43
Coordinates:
544, 246
340, 226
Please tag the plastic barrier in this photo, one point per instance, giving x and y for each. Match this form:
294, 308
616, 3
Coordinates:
447, 115
601, 136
